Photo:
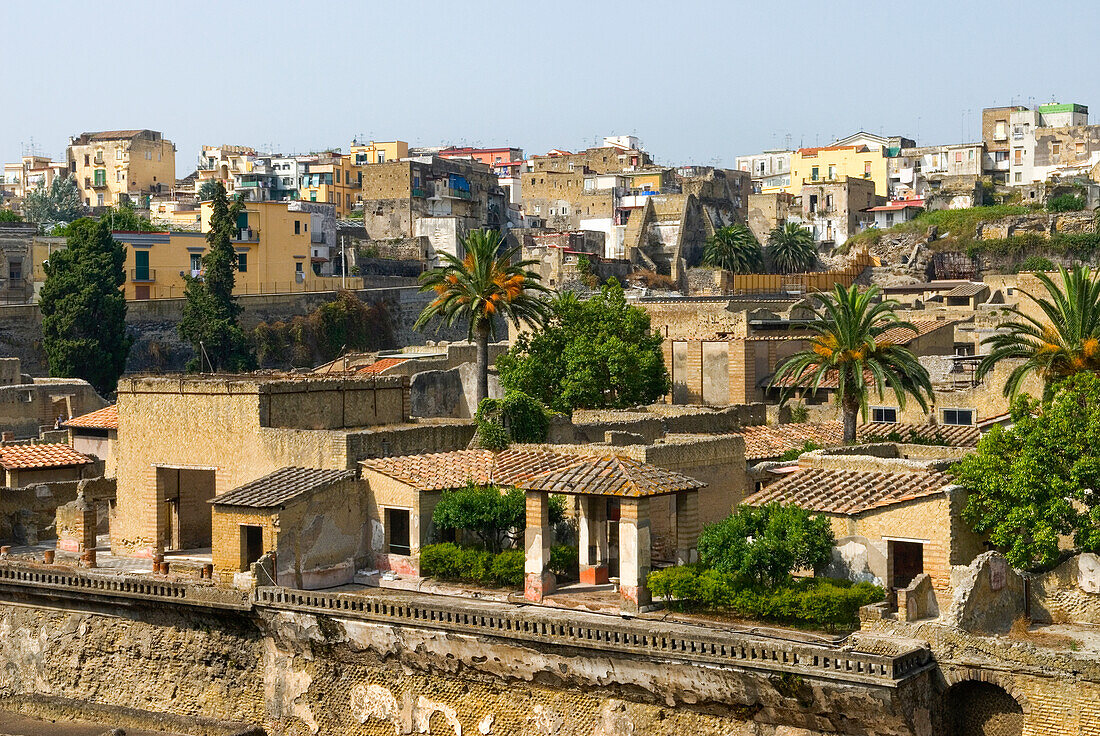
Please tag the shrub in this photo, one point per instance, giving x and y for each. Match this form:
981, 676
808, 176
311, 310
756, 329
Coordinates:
800, 414
565, 561
793, 454
1066, 203
691, 586
515, 418
469, 564
496, 517
1032, 264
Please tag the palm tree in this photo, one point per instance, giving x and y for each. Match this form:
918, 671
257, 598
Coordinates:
1066, 342
791, 248
733, 248
480, 287
850, 346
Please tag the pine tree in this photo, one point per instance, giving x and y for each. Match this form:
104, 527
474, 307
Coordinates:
210, 314
84, 308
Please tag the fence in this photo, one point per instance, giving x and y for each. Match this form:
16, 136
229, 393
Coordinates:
796, 283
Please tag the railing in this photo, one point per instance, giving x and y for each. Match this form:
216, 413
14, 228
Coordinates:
143, 274
593, 631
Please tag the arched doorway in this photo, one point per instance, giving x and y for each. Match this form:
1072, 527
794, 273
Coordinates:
983, 709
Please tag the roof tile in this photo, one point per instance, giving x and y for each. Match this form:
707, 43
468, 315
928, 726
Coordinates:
849, 491
31, 457
285, 484
105, 418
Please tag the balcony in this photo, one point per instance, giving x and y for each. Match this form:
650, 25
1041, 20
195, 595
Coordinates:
98, 184
419, 192
147, 275
458, 193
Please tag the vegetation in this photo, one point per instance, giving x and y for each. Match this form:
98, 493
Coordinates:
7, 215
84, 309
497, 518
515, 418
1033, 482
794, 453
1065, 342
60, 202
587, 274
472, 565
210, 314
848, 345
1066, 203
1034, 264
592, 354
935, 439
479, 288
122, 218
791, 249
346, 324
953, 226
653, 280
733, 248
209, 190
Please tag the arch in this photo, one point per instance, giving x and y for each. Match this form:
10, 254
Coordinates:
979, 708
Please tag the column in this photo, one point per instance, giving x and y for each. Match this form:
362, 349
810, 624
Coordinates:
634, 553
538, 581
687, 527
592, 539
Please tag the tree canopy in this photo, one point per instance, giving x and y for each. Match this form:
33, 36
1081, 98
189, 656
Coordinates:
1037, 480
791, 249
733, 248
592, 354
60, 202
496, 517
84, 309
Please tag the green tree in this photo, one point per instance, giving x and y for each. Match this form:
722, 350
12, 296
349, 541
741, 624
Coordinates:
497, 517
760, 546
208, 190
84, 309
733, 248
848, 345
592, 354
124, 218
210, 314
60, 202
484, 285
791, 249
1034, 481
515, 418
7, 215
1063, 342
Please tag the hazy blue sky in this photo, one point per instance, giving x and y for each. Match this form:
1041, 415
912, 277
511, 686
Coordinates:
696, 81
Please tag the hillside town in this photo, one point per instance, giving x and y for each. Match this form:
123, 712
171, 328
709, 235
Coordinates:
419, 438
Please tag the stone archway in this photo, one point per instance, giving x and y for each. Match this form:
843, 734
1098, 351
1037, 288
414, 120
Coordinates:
983, 709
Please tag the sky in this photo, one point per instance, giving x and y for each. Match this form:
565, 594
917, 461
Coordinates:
699, 82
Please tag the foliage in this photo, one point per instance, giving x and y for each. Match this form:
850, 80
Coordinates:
60, 202
653, 280
211, 311
1066, 203
1066, 342
1034, 481
592, 354
794, 453
848, 345
733, 248
515, 418
808, 601
469, 564
209, 190
800, 413
760, 546
125, 219
346, 324
497, 518
791, 249
479, 288
565, 561
935, 439
84, 309
950, 224
587, 274
7, 215
1034, 264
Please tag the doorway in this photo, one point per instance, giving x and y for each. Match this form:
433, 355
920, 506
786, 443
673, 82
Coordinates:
252, 545
184, 494
906, 562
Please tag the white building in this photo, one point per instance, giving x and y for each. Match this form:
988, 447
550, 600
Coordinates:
770, 170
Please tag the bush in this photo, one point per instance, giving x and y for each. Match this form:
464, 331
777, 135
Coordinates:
497, 517
1066, 203
565, 561
472, 565
1033, 264
808, 446
515, 418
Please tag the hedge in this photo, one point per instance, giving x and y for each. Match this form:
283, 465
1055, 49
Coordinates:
449, 561
816, 601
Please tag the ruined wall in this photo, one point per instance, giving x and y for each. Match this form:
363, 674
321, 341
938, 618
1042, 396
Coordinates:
1069, 592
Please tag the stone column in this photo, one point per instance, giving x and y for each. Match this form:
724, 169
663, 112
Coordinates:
634, 553
538, 581
687, 527
592, 539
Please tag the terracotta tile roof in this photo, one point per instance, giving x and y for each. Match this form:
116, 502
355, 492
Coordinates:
829, 381
903, 336
764, 442
953, 435
444, 470
380, 365
285, 484
105, 418
848, 491
15, 457
972, 289
612, 476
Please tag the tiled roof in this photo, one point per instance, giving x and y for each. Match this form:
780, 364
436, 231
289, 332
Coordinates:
763, 442
444, 470
105, 418
829, 381
953, 435
847, 491
283, 485
380, 365
972, 289
612, 476
15, 457
904, 336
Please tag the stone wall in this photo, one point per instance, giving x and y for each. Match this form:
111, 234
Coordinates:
1068, 593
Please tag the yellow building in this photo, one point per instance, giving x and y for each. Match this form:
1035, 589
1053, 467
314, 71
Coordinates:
333, 178
273, 245
378, 152
647, 180
833, 163
114, 165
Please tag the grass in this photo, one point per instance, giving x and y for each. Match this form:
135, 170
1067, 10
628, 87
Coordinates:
952, 223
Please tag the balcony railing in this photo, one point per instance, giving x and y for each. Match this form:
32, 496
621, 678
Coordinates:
143, 274
419, 192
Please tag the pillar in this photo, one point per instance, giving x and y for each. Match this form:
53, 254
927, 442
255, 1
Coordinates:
76, 525
634, 553
592, 539
538, 581
687, 527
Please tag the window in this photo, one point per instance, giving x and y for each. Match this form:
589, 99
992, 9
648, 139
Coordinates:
87, 159
970, 155
298, 267
242, 262
828, 201
813, 203
884, 415
196, 263
99, 200
15, 270
397, 532
866, 169
1017, 156
814, 173
118, 176
148, 155
1055, 148
958, 417
118, 154
889, 219
297, 227
958, 157
1019, 177
832, 171
381, 157
141, 265
1000, 130
1080, 149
